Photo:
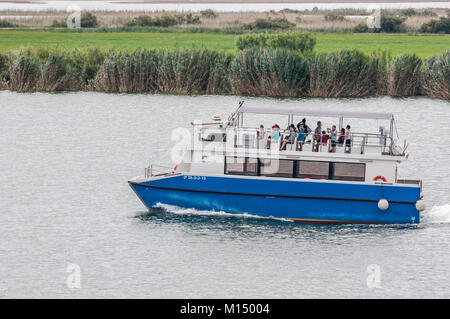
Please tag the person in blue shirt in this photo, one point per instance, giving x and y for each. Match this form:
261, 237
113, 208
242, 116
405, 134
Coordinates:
275, 136
301, 135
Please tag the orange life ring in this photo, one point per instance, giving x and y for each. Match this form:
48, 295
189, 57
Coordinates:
380, 177
174, 169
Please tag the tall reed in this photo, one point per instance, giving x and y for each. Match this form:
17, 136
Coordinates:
23, 74
178, 71
57, 75
270, 73
194, 71
436, 76
347, 73
255, 72
404, 75
133, 72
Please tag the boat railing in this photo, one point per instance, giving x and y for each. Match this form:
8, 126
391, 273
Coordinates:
415, 182
360, 143
157, 170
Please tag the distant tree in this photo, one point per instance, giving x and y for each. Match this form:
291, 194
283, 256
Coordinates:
408, 12
361, 28
437, 26
391, 24
388, 24
334, 17
58, 24
270, 24
209, 14
191, 19
165, 21
88, 20
6, 24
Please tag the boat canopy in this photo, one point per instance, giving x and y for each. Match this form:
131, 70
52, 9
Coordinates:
303, 112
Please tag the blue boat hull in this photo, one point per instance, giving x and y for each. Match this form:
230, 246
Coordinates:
300, 200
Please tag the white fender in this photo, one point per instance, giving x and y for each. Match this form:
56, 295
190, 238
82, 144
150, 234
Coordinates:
420, 205
383, 204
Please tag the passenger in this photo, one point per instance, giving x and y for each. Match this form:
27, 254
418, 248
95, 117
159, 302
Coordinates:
275, 136
317, 135
341, 138
289, 138
260, 134
348, 140
301, 135
324, 139
333, 137
307, 129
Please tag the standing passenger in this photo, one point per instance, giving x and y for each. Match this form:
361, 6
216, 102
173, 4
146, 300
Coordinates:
260, 134
348, 140
301, 135
333, 137
317, 135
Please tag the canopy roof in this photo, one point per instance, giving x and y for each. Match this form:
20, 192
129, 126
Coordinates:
302, 112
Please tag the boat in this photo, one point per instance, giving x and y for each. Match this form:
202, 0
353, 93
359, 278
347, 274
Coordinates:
230, 167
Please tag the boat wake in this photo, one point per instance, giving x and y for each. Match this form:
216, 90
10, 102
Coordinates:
437, 215
191, 211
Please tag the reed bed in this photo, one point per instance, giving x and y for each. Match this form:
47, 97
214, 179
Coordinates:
436, 76
347, 73
23, 74
270, 73
253, 72
178, 71
404, 75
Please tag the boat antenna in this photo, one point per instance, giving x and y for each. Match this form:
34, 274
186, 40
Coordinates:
232, 117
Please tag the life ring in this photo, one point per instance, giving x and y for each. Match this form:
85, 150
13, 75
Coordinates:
380, 177
174, 169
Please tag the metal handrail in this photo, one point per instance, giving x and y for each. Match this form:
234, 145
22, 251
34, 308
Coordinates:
160, 169
362, 140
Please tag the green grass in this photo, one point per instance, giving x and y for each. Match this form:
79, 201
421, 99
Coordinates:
422, 45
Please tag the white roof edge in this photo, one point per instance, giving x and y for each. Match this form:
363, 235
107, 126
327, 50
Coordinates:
301, 112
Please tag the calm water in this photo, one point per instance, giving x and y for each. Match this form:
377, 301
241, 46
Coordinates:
64, 199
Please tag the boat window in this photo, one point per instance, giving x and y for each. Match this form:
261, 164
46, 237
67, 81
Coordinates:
279, 168
349, 171
241, 166
313, 169
251, 166
234, 165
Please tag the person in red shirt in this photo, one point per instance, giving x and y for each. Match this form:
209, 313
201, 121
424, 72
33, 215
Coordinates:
325, 138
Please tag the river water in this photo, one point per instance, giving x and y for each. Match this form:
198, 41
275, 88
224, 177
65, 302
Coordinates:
71, 227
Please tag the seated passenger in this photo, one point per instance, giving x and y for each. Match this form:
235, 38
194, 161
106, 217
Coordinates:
275, 136
289, 138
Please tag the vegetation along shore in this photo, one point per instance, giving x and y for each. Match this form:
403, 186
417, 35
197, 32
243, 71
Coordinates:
265, 56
